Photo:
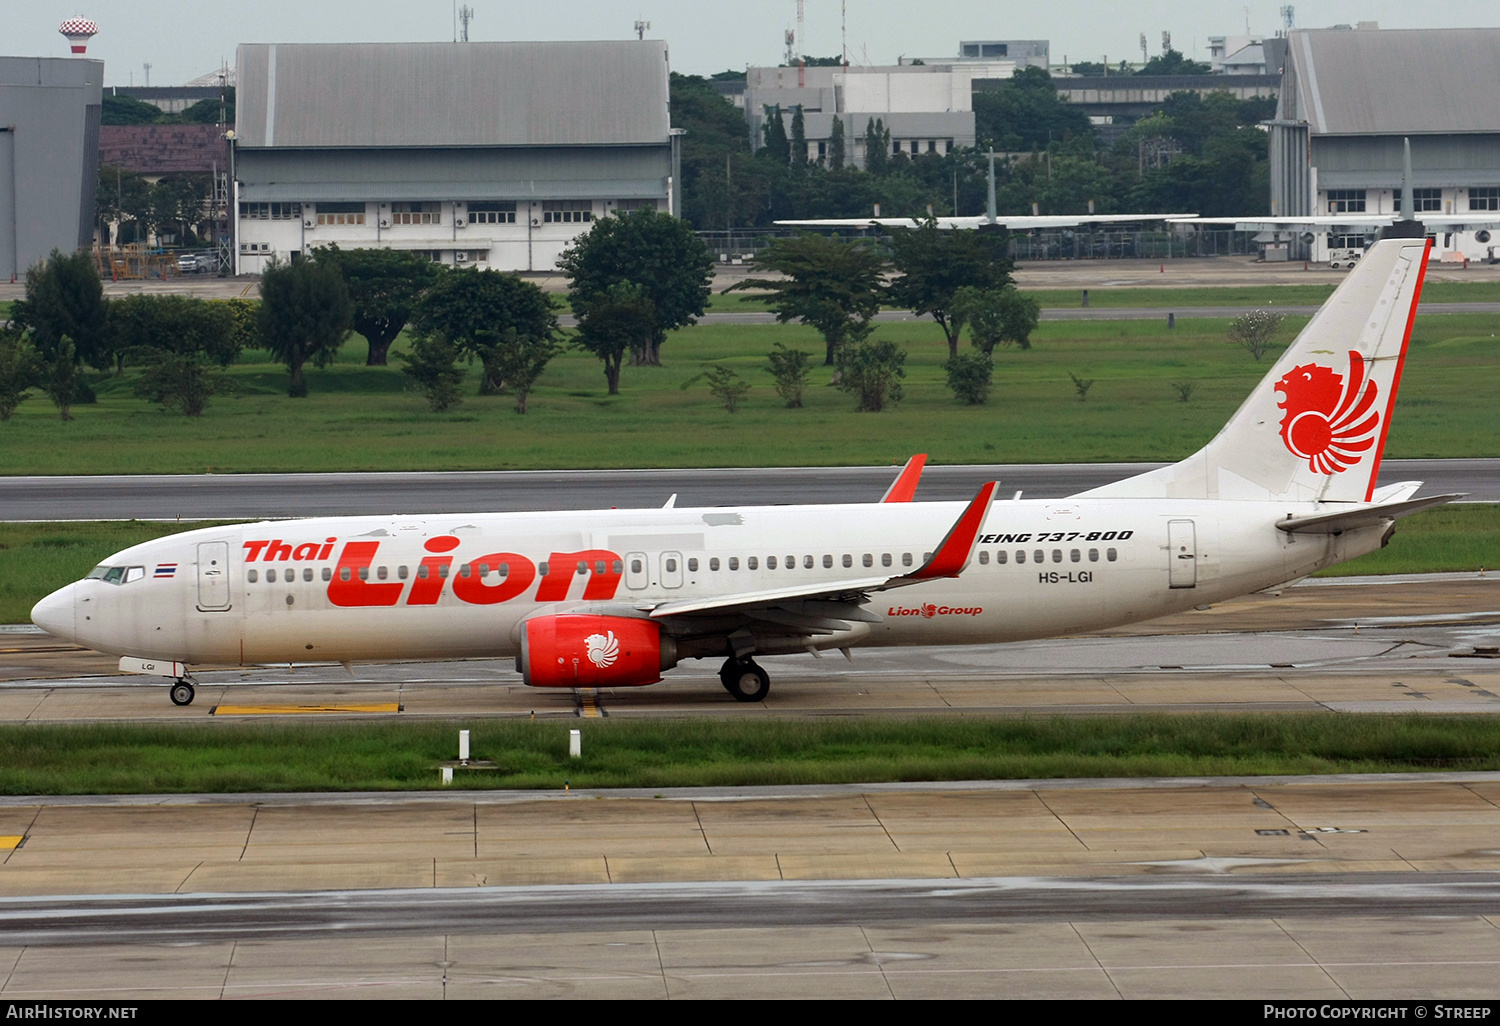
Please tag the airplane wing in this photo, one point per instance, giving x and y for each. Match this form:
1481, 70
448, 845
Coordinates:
1322, 222
1014, 222
905, 486
948, 560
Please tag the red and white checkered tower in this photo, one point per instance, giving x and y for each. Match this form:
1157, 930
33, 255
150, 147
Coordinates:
79, 31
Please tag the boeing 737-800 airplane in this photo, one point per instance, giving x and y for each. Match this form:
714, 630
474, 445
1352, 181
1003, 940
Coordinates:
611, 598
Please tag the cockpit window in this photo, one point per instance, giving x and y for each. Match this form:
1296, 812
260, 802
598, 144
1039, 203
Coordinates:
97, 574
134, 573
114, 575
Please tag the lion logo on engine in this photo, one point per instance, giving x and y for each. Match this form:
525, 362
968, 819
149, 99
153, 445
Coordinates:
1329, 422
602, 649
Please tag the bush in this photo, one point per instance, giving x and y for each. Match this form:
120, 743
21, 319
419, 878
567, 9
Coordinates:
871, 371
969, 376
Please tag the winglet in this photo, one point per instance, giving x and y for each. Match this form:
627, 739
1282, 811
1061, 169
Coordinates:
953, 554
905, 485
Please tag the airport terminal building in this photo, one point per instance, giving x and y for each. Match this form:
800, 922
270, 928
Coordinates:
1348, 99
493, 155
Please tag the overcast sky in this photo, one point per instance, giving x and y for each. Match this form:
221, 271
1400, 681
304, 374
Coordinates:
182, 40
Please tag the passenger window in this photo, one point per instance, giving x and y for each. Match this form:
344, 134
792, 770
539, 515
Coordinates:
583, 567
1093, 555
1075, 556
1110, 555
885, 559
618, 567
307, 573
364, 574
984, 557
400, 572
671, 566
751, 563
1020, 555
344, 573
791, 562
542, 568
328, 573
770, 562
713, 563
503, 569
734, 562
827, 562
465, 570
1057, 555
1000, 556
422, 572
251, 576
848, 560
636, 567
906, 559
271, 575
868, 560
381, 573
692, 565
599, 567
1039, 556
807, 562
442, 572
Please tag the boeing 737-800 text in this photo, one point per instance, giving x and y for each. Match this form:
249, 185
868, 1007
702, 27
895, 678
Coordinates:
612, 598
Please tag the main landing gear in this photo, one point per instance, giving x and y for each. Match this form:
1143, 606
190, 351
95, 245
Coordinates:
745, 680
182, 692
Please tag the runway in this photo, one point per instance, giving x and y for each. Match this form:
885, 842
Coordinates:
245, 496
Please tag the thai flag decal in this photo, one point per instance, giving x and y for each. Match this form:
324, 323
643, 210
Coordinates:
166, 569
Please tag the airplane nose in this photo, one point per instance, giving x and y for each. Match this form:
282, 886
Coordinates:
54, 614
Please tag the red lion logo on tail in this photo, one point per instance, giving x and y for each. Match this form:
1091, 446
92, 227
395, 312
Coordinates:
1329, 423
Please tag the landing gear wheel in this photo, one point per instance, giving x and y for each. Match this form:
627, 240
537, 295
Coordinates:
745, 680
182, 693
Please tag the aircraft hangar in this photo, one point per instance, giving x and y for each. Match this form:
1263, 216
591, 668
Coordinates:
1348, 99
493, 155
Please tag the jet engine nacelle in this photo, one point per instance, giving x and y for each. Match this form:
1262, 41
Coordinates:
581, 651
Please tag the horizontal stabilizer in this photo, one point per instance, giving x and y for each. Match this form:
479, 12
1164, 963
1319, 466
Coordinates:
1364, 516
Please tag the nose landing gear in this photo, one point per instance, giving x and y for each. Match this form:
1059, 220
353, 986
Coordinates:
745, 680
182, 692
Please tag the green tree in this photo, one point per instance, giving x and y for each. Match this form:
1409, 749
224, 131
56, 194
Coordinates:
1173, 63
180, 381
969, 376
790, 368
620, 320
877, 147
836, 144
996, 317
304, 315
433, 365
871, 371
778, 147
723, 384
173, 324
59, 377
1254, 331
211, 111
515, 361
934, 264
473, 309
799, 138
656, 251
384, 286
20, 369
64, 299
127, 110
1025, 112
827, 284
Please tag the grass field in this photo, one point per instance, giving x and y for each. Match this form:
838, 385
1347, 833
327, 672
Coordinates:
365, 419
36, 559
209, 758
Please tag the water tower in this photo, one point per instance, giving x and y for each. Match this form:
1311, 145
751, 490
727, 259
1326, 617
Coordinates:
79, 31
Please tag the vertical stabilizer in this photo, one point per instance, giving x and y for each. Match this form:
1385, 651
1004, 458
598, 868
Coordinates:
1315, 427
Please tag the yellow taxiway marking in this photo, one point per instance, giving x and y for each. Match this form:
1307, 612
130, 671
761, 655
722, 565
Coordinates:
319, 707
11, 843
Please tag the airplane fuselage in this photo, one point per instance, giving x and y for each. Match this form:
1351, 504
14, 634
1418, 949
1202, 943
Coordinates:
453, 586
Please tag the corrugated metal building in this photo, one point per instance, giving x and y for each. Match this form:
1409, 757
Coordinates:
495, 154
49, 157
1348, 99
